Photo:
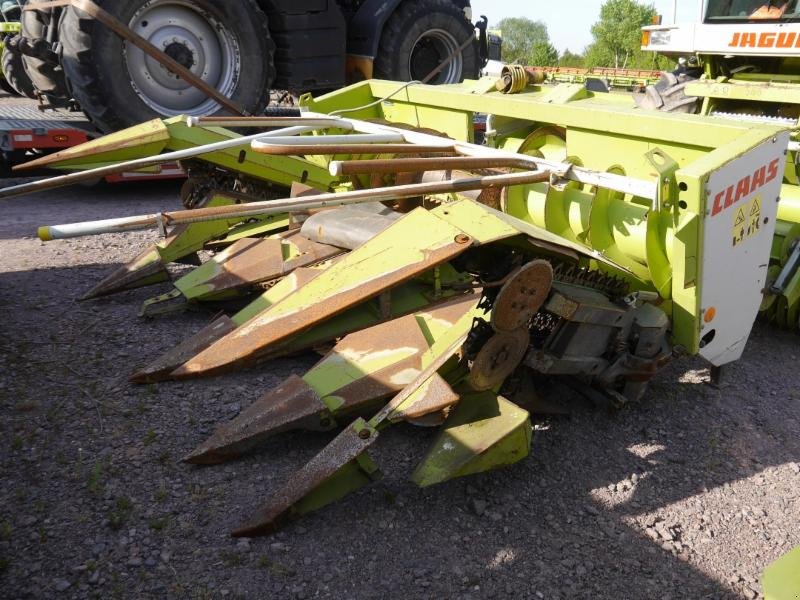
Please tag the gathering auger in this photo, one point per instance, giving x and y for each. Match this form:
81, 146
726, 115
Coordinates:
585, 241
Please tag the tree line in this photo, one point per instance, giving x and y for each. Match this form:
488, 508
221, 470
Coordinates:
616, 40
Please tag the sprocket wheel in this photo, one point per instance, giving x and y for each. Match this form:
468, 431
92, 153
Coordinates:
498, 358
522, 296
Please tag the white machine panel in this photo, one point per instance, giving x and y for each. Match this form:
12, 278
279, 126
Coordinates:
765, 39
737, 235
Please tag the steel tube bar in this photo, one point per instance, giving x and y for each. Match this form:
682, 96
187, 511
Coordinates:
330, 140
322, 150
261, 122
409, 165
617, 183
267, 207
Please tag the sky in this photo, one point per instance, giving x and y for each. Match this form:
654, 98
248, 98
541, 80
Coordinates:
569, 23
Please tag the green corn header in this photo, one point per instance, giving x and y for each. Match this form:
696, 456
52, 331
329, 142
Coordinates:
582, 239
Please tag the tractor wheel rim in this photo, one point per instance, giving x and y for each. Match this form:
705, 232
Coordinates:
430, 50
194, 38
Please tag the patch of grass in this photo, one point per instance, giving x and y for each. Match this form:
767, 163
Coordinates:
16, 442
232, 559
202, 593
117, 589
263, 562
119, 515
4, 564
164, 458
6, 530
274, 567
161, 494
149, 437
52, 414
159, 524
142, 407
96, 483
26, 406
198, 494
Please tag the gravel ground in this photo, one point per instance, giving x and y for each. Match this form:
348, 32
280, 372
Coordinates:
689, 494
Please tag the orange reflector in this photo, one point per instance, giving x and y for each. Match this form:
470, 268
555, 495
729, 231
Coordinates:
656, 19
645, 38
60, 138
710, 314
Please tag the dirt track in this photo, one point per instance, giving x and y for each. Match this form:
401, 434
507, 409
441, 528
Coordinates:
688, 495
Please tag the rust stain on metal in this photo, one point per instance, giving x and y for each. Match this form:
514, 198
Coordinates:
255, 338
128, 274
436, 397
346, 447
125, 276
399, 333
245, 262
295, 405
416, 165
159, 369
291, 405
310, 251
491, 197
254, 260
426, 374
434, 419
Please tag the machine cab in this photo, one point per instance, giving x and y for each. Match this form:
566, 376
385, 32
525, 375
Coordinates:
768, 28
727, 11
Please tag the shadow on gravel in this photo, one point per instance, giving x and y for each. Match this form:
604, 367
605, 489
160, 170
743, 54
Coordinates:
561, 524
83, 203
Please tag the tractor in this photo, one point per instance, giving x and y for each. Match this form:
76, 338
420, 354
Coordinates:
243, 49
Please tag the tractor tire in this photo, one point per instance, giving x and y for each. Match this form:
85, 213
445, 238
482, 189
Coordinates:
47, 75
668, 95
14, 71
419, 36
227, 44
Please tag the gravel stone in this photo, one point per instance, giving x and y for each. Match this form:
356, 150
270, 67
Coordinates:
479, 506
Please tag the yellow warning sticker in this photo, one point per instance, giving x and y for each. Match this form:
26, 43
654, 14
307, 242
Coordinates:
746, 220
